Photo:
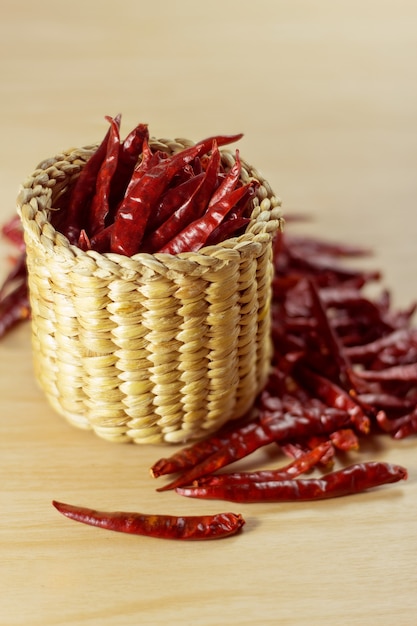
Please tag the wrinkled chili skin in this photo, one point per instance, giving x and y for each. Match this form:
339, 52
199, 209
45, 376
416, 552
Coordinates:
300, 465
350, 480
14, 308
192, 208
188, 457
236, 448
195, 234
83, 190
100, 204
189, 528
133, 214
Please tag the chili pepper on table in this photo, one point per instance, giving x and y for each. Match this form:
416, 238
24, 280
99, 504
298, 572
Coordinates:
13, 231
237, 448
332, 347
401, 427
344, 439
18, 274
269, 429
300, 465
160, 526
349, 480
282, 425
133, 213
191, 455
335, 396
14, 308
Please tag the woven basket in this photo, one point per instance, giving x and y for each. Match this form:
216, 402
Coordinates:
148, 348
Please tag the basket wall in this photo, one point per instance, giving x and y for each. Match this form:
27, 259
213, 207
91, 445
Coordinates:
150, 348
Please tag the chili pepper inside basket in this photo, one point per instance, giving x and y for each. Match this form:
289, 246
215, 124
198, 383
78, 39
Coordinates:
132, 342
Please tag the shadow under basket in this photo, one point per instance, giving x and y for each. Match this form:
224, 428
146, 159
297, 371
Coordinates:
151, 348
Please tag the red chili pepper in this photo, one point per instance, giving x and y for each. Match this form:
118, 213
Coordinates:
14, 308
305, 462
227, 229
345, 439
192, 208
228, 184
129, 152
287, 426
133, 214
401, 427
332, 347
194, 236
18, 274
404, 339
13, 231
100, 242
195, 527
335, 396
237, 448
84, 242
189, 456
83, 190
407, 373
100, 204
347, 481
173, 198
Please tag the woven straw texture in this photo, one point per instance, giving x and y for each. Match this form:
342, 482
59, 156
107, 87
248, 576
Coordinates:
149, 348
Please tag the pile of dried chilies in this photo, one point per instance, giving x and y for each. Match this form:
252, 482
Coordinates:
344, 364
344, 368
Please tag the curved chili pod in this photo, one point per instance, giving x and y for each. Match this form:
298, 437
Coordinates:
132, 216
193, 527
350, 480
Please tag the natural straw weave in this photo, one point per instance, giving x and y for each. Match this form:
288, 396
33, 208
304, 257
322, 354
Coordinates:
148, 348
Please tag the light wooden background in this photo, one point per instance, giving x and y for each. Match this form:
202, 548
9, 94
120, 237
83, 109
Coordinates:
326, 94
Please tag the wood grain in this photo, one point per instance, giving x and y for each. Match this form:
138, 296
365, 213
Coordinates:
326, 94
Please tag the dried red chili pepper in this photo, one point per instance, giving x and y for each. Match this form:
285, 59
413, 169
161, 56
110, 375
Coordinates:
193, 454
350, 480
195, 234
83, 190
335, 396
282, 425
276, 427
303, 463
100, 207
228, 184
237, 448
192, 208
407, 373
14, 308
173, 198
227, 229
13, 231
18, 274
401, 427
133, 213
130, 150
345, 439
160, 526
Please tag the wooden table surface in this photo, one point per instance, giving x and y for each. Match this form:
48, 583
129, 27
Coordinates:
326, 94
